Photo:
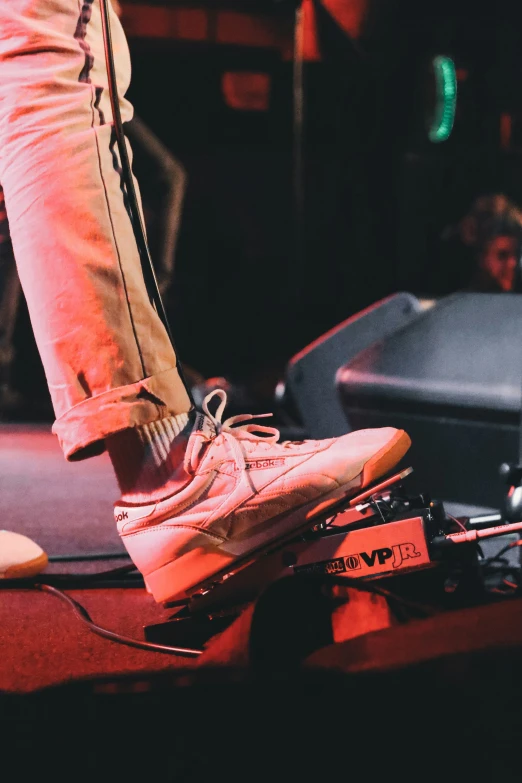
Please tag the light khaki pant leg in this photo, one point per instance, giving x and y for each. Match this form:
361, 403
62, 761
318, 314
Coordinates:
108, 360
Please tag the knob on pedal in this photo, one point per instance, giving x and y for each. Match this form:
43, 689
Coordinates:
512, 477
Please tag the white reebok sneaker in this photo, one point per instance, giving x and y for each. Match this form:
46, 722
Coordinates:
242, 492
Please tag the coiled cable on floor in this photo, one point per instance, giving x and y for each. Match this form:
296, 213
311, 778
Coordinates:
82, 614
51, 583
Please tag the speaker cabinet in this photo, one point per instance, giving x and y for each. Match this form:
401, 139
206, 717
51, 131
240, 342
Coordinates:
452, 378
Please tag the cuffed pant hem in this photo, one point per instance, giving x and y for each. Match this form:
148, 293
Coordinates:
83, 429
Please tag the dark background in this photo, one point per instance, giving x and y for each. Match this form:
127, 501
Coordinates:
377, 193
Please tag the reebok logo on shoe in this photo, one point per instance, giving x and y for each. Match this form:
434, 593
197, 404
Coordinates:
259, 464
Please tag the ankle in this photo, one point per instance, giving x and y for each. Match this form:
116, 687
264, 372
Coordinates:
147, 460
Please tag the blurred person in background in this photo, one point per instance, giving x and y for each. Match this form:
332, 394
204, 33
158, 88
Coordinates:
482, 251
497, 268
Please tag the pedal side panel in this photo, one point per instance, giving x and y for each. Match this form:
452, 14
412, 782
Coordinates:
367, 552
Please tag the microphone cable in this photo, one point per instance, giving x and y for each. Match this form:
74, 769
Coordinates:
134, 210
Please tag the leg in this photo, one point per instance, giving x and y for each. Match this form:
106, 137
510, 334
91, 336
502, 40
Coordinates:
199, 494
108, 360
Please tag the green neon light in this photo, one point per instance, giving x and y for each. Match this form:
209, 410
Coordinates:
446, 101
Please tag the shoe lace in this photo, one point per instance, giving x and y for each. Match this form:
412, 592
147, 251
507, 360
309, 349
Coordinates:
236, 433
229, 427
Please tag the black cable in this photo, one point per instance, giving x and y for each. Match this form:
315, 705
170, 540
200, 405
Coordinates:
87, 578
72, 581
75, 582
47, 584
88, 557
132, 200
84, 616
499, 555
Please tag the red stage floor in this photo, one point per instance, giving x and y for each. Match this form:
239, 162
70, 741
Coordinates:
67, 509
